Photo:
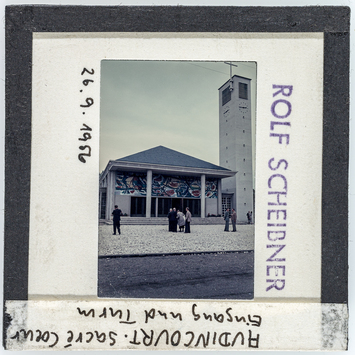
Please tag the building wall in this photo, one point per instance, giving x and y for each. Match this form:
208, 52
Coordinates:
211, 206
235, 146
123, 202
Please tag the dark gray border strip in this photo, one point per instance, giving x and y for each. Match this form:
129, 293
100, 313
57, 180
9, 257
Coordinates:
335, 168
36, 18
17, 156
21, 21
174, 254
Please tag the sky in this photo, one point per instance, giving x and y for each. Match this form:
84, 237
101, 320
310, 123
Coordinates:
145, 104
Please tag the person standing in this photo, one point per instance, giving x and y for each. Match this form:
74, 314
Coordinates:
181, 220
226, 218
174, 218
234, 220
116, 220
188, 220
249, 214
170, 218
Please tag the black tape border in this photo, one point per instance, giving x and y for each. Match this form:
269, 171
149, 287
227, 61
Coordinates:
333, 21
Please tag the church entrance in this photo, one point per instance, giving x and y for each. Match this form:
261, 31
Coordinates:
194, 206
226, 203
177, 203
138, 207
164, 205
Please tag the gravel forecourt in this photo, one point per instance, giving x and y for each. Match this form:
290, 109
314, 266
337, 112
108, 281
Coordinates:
155, 239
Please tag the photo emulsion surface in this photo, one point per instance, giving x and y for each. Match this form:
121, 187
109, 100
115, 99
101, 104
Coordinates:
177, 180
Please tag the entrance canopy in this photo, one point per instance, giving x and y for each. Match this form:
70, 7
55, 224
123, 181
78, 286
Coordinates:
152, 181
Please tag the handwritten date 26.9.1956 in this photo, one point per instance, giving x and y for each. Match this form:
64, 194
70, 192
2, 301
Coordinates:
86, 105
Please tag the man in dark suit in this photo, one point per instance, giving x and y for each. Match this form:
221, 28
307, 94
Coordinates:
234, 220
226, 218
116, 220
172, 215
174, 218
170, 219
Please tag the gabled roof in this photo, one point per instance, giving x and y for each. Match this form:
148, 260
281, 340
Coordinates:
164, 156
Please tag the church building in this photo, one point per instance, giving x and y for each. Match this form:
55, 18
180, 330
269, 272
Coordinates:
149, 183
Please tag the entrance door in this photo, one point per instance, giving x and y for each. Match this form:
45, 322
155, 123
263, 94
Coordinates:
226, 203
177, 203
152, 207
138, 207
164, 205
194, 205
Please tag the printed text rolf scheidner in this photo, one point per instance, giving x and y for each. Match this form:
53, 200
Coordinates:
280, 125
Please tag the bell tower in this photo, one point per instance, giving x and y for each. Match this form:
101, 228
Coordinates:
235, 145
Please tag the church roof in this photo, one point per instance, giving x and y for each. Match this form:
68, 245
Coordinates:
164, 156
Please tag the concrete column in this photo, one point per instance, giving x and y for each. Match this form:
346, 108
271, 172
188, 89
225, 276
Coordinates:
156, 206
111, 184
203, 196
148, 199
219, 197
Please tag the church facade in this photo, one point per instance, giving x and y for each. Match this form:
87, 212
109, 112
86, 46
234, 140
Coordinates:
149, 183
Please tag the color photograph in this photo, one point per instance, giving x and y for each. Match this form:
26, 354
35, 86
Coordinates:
177, 182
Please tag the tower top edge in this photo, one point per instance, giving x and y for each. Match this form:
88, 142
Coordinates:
234, 76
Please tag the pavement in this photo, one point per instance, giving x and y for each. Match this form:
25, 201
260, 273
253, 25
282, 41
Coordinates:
192, 276
148, 261
156, 239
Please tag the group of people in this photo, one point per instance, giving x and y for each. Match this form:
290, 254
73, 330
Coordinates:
176, 218
233, 218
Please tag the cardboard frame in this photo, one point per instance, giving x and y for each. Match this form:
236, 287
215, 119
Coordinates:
22, 21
